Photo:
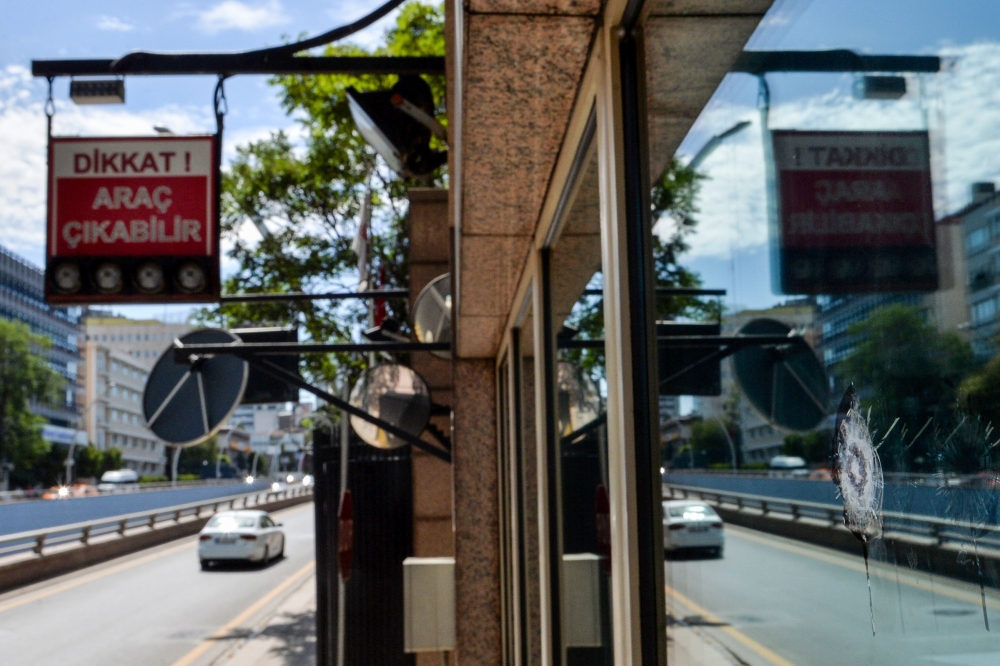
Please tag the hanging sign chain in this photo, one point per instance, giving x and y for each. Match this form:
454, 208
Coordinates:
50, 108
221, 105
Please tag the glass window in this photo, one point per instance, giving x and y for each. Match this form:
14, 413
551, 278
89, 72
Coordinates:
576, 433
846, 207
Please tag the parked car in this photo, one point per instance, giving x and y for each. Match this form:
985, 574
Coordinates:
689, 524
117, 480
251, 536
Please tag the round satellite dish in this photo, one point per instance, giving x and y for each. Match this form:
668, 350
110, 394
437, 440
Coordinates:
186, 403
786, 383
395, 394
432, 313
579, 401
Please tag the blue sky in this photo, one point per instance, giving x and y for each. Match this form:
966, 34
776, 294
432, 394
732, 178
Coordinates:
729, 248
102, 28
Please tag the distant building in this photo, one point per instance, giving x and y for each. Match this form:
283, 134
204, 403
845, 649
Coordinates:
760, 440
119, 353
980, 224
22, 298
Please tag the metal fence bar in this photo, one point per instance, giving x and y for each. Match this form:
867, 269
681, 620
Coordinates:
85, 532
938, 530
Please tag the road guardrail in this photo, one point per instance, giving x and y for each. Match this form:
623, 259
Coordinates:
37, 541
36, 494
930, 531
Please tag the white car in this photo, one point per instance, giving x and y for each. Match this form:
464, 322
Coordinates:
688, 524
240, 535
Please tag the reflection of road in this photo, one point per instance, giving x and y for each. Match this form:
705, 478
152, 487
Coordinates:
776, 601
153, 608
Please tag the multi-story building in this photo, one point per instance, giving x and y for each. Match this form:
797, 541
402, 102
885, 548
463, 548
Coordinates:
22, 298
119, 354
980, 224
759, 439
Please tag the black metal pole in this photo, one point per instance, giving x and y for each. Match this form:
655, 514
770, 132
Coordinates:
280, 373
300, 296
248, 349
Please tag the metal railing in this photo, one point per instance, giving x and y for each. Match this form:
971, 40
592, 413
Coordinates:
927, 530
86, 532
36, 494
933, 480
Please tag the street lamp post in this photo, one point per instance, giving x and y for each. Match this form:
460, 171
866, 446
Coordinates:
72, 446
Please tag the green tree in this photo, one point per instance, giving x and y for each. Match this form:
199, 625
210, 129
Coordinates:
112, 460
307, 195
813, 447
979, 393
194, 458
673, 213
25, 378
709, 443
89, 462
906, 369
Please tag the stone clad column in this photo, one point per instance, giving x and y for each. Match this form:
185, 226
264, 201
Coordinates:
477, 542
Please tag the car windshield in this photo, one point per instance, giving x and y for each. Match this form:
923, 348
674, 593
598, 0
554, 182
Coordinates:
692, 511
231, 522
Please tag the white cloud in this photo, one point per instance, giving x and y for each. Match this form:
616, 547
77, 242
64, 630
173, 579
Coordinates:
22, 141
963, 114
236, 15
114, 23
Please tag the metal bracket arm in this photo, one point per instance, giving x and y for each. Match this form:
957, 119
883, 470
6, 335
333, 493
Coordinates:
283, 375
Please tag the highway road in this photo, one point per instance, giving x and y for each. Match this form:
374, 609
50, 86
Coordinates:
773, 601
33, 515
153, 608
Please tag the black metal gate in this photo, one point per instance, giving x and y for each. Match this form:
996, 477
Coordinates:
381, 484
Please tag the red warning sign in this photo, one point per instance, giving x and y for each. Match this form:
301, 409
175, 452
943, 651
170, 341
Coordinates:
132, 218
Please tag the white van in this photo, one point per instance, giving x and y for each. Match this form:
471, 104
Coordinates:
118, 480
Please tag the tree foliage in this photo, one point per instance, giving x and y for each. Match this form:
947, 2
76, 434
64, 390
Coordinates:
306, 191
25, 378
906, 369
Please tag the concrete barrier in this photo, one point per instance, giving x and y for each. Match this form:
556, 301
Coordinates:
30, 568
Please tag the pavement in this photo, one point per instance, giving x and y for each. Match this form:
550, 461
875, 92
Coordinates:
285, 637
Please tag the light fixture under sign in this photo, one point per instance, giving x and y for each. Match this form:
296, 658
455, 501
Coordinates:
97, 91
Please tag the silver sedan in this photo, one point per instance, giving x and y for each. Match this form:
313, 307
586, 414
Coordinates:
250, 536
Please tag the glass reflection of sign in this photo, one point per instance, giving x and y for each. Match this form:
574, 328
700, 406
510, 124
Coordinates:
854, 212
132, 220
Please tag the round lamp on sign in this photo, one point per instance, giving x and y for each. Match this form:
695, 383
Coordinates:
66, 278
432, 313
191, 278
393, 393
149, 278
108, 278
579, 402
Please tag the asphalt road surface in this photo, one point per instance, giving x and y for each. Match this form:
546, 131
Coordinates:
34, 515
152, 608
781, 602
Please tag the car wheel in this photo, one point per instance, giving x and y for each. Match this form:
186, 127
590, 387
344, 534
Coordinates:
267, 556
281, 553
718, 552
205, 565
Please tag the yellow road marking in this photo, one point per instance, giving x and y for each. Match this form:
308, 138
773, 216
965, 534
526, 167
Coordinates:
89, 578
762, 651
103, 573
879, 569
244, 616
